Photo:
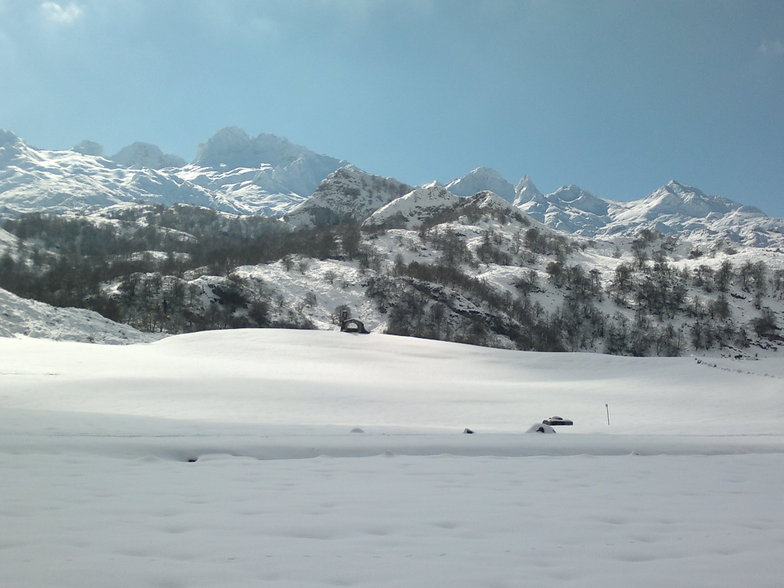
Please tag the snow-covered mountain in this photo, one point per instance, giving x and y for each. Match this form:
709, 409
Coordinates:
146, 156
281, 165
570, 209
678, 209
673, 209
409, 210
37, 180
525, 190
233, 173
346, 195
479, 179
271, 176
88, 147
433, 203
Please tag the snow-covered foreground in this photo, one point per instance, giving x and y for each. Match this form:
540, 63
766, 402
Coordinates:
100, 486
80, 520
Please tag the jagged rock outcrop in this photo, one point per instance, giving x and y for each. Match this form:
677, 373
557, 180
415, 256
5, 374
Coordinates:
346, 195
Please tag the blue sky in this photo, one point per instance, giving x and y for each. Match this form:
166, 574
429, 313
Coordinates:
615, 96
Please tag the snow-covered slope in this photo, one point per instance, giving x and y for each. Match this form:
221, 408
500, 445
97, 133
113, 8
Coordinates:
433, 201
22, 317
37, 180
479, 179
525, 190
677, 201
570, 209
266, 174
270, 175
672, 209
346, 195
675, 208
8, 242
257, 190
282, 163
408, 211
489, 200
232, 173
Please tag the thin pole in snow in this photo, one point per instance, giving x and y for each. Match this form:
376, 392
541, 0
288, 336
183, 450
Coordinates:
607, 408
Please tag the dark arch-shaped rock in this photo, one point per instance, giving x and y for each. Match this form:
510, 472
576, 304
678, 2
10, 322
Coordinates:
353, 326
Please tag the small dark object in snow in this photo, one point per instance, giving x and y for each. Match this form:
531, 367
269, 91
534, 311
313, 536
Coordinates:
468, 431
353, 326
556, 421
357, 430
192, 459
537, 428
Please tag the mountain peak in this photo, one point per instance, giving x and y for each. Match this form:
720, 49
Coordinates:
526, 183
231, 134
676, 187
678, 208
8, 138
479, 179
88, 147
570, 193
146, 156
579, 199
526, 191
225, 148
231, 147
348, 194
410, 210
484, 171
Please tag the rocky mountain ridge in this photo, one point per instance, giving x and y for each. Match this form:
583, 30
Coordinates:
229, 174
272, 176
673, 209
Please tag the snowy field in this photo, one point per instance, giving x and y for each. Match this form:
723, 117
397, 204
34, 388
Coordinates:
312, 459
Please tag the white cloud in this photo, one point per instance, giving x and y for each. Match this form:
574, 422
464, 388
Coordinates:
772, 48
60, 13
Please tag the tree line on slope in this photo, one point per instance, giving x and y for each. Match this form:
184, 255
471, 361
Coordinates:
142, 267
